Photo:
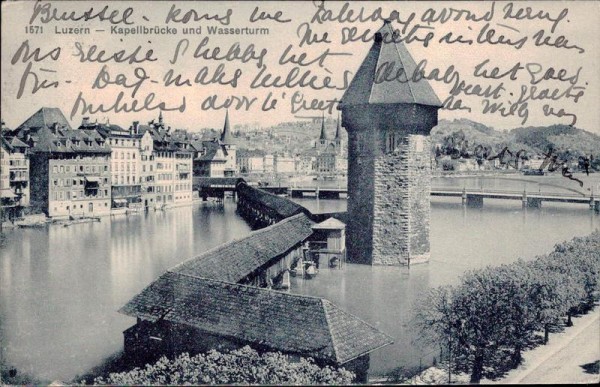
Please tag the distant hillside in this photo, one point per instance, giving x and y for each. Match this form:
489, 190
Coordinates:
562, 139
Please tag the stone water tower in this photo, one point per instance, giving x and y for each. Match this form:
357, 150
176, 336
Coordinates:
388, 120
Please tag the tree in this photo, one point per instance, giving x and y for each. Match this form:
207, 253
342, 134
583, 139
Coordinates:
242, 366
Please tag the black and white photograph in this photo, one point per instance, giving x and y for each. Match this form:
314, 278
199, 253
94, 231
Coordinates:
299, 192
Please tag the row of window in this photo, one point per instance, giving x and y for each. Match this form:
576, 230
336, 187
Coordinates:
129, 166
80, 168
71, 195
125, 179
122, 142
183, 187
123, 155
73, 182
90, 207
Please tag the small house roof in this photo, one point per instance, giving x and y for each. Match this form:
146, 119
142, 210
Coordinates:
329, 224
290, 323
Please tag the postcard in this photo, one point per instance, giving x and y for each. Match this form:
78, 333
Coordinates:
306, 192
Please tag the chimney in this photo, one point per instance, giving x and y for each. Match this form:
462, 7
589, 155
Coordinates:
134, 129
54, 128
85, 121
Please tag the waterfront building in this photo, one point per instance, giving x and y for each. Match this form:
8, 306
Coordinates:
389, 163
14, 183
69, 169
126, 189
216, 157
210, 159
166, 162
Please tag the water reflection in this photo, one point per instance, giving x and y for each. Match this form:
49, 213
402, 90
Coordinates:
61, 287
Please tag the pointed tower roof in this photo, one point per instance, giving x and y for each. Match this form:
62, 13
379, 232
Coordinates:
226, 137
338, 135
365, 89
323, 135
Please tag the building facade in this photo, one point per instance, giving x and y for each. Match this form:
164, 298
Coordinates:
14, 184
70, 170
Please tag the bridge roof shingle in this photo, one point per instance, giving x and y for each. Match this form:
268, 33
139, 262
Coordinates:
280, 321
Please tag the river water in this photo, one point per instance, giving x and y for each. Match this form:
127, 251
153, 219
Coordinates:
61, 287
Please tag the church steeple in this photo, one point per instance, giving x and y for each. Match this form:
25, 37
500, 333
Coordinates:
226, 137
160, 119
323, 136
338, 135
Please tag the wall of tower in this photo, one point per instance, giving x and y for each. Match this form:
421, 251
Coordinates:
359, 229
389, 202
402, 184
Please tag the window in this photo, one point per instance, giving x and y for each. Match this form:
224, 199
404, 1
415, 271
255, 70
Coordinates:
391, 142
55, 169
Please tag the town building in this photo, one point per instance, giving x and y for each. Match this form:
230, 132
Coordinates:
14, 183
216, 157
210, 159
250, 161
70, 172
389, 159
166, 165
126, 189
330, 153
284, 165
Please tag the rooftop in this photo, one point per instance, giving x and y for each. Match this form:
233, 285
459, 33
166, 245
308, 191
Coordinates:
278, 206
280, 321
239, 258
387, 51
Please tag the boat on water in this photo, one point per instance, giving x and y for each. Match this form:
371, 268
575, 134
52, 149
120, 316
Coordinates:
533, 172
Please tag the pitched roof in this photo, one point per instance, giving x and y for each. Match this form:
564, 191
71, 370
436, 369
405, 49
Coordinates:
365, 89
329, 224
46, 117
211, 152
16, 143
226, 137
281, 207
280, 321
239, 258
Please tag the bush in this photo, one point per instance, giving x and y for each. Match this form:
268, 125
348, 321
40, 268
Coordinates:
242, 366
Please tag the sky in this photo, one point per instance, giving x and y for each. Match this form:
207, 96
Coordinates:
577, 23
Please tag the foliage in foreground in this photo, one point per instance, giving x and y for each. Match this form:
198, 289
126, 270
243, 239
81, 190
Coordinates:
242, 366
495, 313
